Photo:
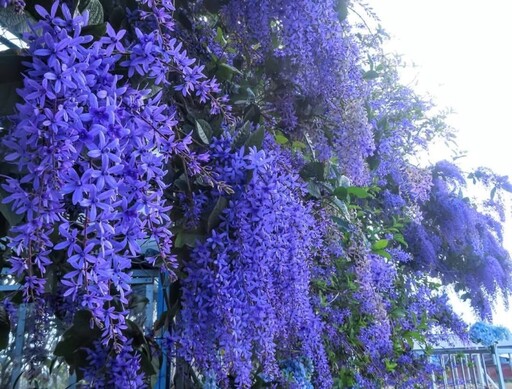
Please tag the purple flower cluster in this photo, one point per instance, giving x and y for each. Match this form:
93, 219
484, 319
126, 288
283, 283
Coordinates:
118, 141
375, 279
315, 86
354, 142
113, 370
246, 294
432, 312
458, 243
92, 150
306, 35
36, 349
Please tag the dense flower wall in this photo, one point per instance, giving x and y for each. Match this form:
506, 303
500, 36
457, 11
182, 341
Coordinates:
261, 156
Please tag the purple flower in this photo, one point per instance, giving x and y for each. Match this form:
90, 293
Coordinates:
113, 41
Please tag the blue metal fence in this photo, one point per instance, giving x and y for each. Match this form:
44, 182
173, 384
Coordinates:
473, 367
145, 282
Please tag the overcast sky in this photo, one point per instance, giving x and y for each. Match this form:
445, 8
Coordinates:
463, 51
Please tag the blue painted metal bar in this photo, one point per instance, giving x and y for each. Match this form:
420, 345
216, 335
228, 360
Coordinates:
501, 380
18, 345
463, 370
445, 377
484, 367
150, 295
162, 379
10, 288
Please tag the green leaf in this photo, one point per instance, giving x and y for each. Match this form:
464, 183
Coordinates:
82, 322
383, 253
134, 332
137, 302
296, 145
273, 65
174, 309
400, 239
242, 135
493, 193
11, 63
83, 4
398, 312
380, 244
281, 139
5, 209
214, 218
413, 335
96, 30
187, 238
80, 334
204, 131
371, 75
5, 328
30, 7
225, 71
231, 68
160, 322
357, 191
147, 364
315, 170
342, 207
65, 348
8, 95
342, 223
390, 366
341, 193
342, 9
252, 113
314, 190
15, 22
219, 37
117, 17
373, 162
181, 17
95, 12
255, 139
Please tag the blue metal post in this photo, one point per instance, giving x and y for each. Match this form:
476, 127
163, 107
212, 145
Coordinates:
501, 380
19, 344
161, 382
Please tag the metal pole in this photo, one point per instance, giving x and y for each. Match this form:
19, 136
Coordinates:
445, 378
471, 378
452, 369
71, 380
462, 369
501, 380
470, 369
455, 373
479, 370
150, 293
19, 345
482, 360
163, 377
434, 385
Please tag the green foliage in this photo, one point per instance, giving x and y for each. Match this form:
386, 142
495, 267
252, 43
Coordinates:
359, 222
82, 334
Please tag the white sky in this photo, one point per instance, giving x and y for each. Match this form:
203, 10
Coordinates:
462, 50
